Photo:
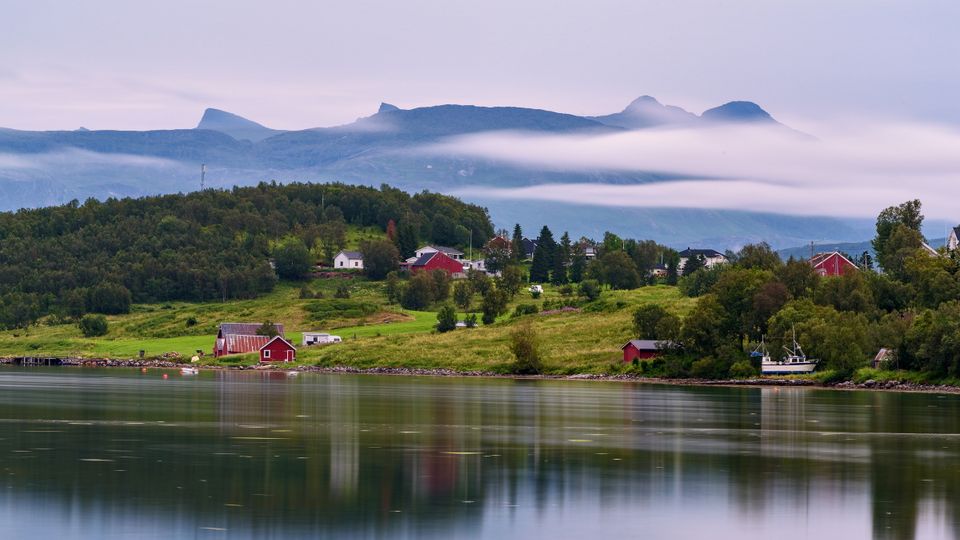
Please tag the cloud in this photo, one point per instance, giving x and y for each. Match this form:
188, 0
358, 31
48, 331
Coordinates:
74, 157
844, 172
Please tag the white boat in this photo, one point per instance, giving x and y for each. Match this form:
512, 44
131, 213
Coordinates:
189, 371
793, 362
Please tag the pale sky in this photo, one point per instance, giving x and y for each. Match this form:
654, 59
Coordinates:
291, 65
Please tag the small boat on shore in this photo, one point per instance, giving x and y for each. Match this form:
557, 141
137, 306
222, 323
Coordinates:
189, 371
794, 362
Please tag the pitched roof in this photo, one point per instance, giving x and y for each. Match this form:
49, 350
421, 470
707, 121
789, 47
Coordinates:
236, 343
648, 344
245, 329
956, 231
274, 338
351, 254
424, 259
687, 253
820, 258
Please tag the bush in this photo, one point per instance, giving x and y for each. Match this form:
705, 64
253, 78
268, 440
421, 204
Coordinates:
292, 258
590, 288
342, 291
446, 318
418, 294
742, 370
93, 325
380, 258
535, 293
525, 346
191, 321
524, 309
470, 320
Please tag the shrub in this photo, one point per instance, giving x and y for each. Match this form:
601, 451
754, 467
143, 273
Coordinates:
93, 325
742, 370
446, 318
470, 320
380, 258
342, 291
535, 293
305, 293
191, 321
524, 309
525, 346
590, 288
418, 294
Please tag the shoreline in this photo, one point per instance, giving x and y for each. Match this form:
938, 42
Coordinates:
887, 386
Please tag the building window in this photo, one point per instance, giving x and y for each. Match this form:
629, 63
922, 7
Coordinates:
266, 353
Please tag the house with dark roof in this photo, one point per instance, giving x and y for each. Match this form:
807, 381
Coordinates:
239, 338
953, 241
644, 349
453, 253
348, 260
436, 260
711, 257
529, 246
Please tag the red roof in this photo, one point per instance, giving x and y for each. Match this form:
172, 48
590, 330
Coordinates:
832, 264
244, 344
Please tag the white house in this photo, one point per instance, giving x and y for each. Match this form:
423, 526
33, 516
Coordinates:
454, 254
348, 260
314, 338
711, 257
953, 241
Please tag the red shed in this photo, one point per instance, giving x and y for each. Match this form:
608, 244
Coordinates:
643, 349
238, 338
832, 264
278, 349
436, 261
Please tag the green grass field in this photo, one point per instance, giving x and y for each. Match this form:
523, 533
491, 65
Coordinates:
374, 333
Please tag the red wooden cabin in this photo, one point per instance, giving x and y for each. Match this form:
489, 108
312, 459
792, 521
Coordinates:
643, 349
436, 261
238, 338
278, 349
832, 264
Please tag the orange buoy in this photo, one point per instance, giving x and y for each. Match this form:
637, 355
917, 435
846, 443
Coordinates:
164, 375
143, 370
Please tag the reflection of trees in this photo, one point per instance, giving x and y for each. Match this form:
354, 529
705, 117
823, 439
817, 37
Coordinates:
375, 445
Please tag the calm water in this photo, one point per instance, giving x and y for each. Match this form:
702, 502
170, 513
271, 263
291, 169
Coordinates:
97, 454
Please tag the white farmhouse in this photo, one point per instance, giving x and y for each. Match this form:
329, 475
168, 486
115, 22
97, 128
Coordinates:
711, 257
953, 241
348, 260
454, 254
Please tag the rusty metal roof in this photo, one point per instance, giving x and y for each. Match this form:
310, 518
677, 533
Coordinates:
245, 344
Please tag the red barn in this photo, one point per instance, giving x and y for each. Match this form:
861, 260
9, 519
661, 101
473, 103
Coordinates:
832, 264
436, 260
238, 338
643, 349
278, 350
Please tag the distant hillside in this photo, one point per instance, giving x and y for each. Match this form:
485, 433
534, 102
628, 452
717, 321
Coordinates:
851, 248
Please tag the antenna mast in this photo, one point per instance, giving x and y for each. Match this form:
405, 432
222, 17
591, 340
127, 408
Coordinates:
203, 174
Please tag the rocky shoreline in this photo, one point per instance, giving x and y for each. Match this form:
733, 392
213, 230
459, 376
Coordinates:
893, 386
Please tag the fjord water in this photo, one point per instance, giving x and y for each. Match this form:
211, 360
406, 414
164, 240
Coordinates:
113, 453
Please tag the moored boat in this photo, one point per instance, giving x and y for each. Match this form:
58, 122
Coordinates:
795, 361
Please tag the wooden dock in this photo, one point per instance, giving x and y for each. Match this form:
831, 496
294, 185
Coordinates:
36, 361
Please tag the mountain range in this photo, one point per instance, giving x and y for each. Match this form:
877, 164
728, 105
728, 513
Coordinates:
39, 168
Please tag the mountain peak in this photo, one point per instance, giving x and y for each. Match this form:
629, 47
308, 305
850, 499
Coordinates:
642, 102
645, 112
386, 107
234, 125
738, 111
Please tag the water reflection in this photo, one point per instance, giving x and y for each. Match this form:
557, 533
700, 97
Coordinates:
114, 454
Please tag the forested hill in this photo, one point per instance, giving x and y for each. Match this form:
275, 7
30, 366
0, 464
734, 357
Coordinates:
214, 244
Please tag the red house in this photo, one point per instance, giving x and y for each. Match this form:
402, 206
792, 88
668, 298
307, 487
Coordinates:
238, 338
644, 349
278, 349
436, 261
832, 264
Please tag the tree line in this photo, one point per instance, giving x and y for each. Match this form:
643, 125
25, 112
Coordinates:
101, 256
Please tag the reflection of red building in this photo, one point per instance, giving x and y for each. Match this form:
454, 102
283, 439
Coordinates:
278, 350
832, 264
643, 349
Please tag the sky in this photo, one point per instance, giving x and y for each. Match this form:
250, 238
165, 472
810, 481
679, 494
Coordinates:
291, 65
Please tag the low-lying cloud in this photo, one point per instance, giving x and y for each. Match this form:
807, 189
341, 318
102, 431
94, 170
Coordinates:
842, 172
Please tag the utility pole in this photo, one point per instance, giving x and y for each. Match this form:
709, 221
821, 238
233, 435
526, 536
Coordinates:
203, 175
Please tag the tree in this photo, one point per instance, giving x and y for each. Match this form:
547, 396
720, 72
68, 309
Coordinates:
760, 256
332, 235
494, 305
108, 298
652, 321
543, 257
578, 263
617, 270
480, 281
700, 334
849, 292
291, 258
767, 301
441, 284
517, 244
267, 329
394, 288
906, 215
903, 243
735, 291
511, 280
446, 318
418, 294
673, 262
93, 325
693, 264
497, 254
392, 231
798, 276
380, 257
525, 346
407, 238
463, 295
558, 274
